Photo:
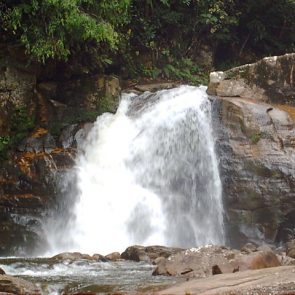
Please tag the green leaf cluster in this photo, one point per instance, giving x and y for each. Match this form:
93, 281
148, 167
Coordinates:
184, 69
111, 34
53, 29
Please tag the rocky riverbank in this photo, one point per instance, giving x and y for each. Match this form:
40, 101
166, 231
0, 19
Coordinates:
213, 269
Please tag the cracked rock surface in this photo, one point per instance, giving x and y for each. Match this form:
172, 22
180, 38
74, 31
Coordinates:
255, 140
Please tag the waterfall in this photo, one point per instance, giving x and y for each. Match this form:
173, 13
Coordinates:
149, 175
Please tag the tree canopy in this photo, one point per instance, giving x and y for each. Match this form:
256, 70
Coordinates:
120, 29
55, 28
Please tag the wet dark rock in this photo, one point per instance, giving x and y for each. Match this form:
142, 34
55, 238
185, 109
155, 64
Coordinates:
81, 134
38, 143
99, 257
135, 253
2, 272
28, 191
12, 285
74, 135
66, 137
149, 253
21, 239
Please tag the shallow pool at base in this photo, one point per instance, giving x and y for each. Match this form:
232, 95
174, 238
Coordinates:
56, 277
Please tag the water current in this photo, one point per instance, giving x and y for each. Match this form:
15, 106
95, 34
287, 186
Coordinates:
146, 175
149, 175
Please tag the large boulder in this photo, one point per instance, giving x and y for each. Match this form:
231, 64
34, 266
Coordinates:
257, 260
256, 142
211, 260
197, 262
114, 256
271, 79
72, 256
149, 253
256, 147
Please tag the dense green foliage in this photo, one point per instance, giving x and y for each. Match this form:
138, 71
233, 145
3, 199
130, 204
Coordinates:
235, 30
148, 36
161, 25
263, 28
57, 28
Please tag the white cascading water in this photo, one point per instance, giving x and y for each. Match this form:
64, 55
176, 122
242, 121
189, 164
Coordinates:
149, 175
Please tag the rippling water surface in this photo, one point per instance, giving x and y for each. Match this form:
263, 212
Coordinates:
83, 276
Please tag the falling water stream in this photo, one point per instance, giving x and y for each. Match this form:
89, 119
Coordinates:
146, 175
149, 175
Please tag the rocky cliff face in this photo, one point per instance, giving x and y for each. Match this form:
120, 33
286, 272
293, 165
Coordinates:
255, 129
254, 112
41, 124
